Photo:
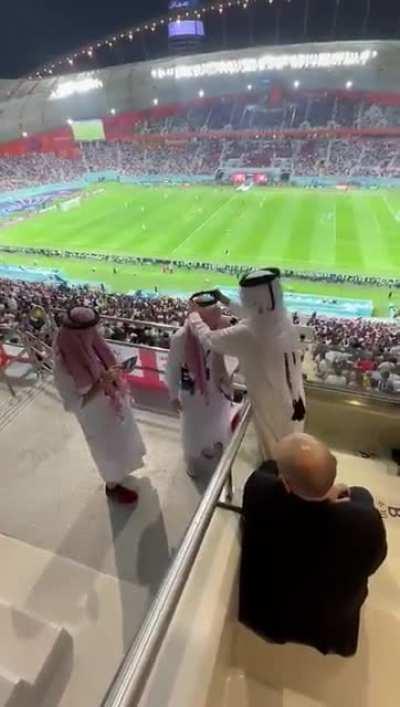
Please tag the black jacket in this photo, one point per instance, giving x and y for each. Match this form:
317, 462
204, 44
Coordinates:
305, 566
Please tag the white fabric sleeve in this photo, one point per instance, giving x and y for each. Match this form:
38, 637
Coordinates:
236, 309
230, 341
70, 396
174, 365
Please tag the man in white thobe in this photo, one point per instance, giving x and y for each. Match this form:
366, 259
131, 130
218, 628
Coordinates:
88, 381
269, 352
200, 388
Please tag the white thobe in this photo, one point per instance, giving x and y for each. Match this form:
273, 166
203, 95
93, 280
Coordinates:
272, 369
114, 439
206, 420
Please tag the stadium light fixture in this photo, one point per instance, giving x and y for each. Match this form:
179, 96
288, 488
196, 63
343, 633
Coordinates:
155, 101
296, 83
249, 87
113, 111
69, 121
349, 85
201, 93
24, 134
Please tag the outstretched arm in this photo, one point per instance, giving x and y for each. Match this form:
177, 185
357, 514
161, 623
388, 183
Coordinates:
227, 341
235, 308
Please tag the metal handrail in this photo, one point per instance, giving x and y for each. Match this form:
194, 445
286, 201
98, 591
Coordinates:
128, 685
363, 397
354, 396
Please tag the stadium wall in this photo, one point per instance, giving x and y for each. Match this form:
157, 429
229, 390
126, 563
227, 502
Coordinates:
333, 182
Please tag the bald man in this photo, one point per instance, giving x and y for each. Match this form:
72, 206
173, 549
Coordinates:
309, 547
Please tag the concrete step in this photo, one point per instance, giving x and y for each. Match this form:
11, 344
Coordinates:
241, 690
14, 692
32, 653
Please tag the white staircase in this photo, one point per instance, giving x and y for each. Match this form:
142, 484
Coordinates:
244, 691
33, 656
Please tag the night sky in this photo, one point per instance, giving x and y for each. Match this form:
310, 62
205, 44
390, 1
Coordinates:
34, 31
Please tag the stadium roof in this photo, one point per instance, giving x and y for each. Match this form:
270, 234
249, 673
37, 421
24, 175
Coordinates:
35, 106
230, 24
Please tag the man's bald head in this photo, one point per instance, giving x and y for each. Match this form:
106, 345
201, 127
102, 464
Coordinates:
306, 465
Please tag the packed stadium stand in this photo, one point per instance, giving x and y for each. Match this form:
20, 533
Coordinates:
257, 130
359, 354
357, 157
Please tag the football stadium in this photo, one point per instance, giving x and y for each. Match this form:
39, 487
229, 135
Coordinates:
258, 161
315, 231
199, 263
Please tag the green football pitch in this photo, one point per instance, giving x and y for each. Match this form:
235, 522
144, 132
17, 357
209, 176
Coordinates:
314, 230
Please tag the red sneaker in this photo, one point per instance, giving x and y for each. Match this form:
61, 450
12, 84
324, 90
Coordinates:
122, 495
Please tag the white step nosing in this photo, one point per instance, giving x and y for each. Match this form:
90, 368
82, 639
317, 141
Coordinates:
56, 649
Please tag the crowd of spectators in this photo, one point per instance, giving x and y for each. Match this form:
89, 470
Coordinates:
36, 307
353, 353
201, 155
350, 158
204, 154
36, 169
357, 353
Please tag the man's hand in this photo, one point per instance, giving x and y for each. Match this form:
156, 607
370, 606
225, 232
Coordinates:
222, 298
111, 375
193, 307
176, 406
339, 493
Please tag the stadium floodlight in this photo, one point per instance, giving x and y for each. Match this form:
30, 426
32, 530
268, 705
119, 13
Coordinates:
296, 83
155, 101
349, 84
249, 87
24, 134
265, 62
69, 121
201, 93
65, 89
113, 111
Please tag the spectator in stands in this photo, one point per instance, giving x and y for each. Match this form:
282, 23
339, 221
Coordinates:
89, 382
200, 389
309, 547
336, 377
385, 382
356, 345
269, 351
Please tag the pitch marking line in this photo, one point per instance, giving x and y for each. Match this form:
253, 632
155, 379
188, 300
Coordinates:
394, 214
201, 225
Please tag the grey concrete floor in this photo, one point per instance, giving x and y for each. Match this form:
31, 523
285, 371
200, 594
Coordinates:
52, 497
